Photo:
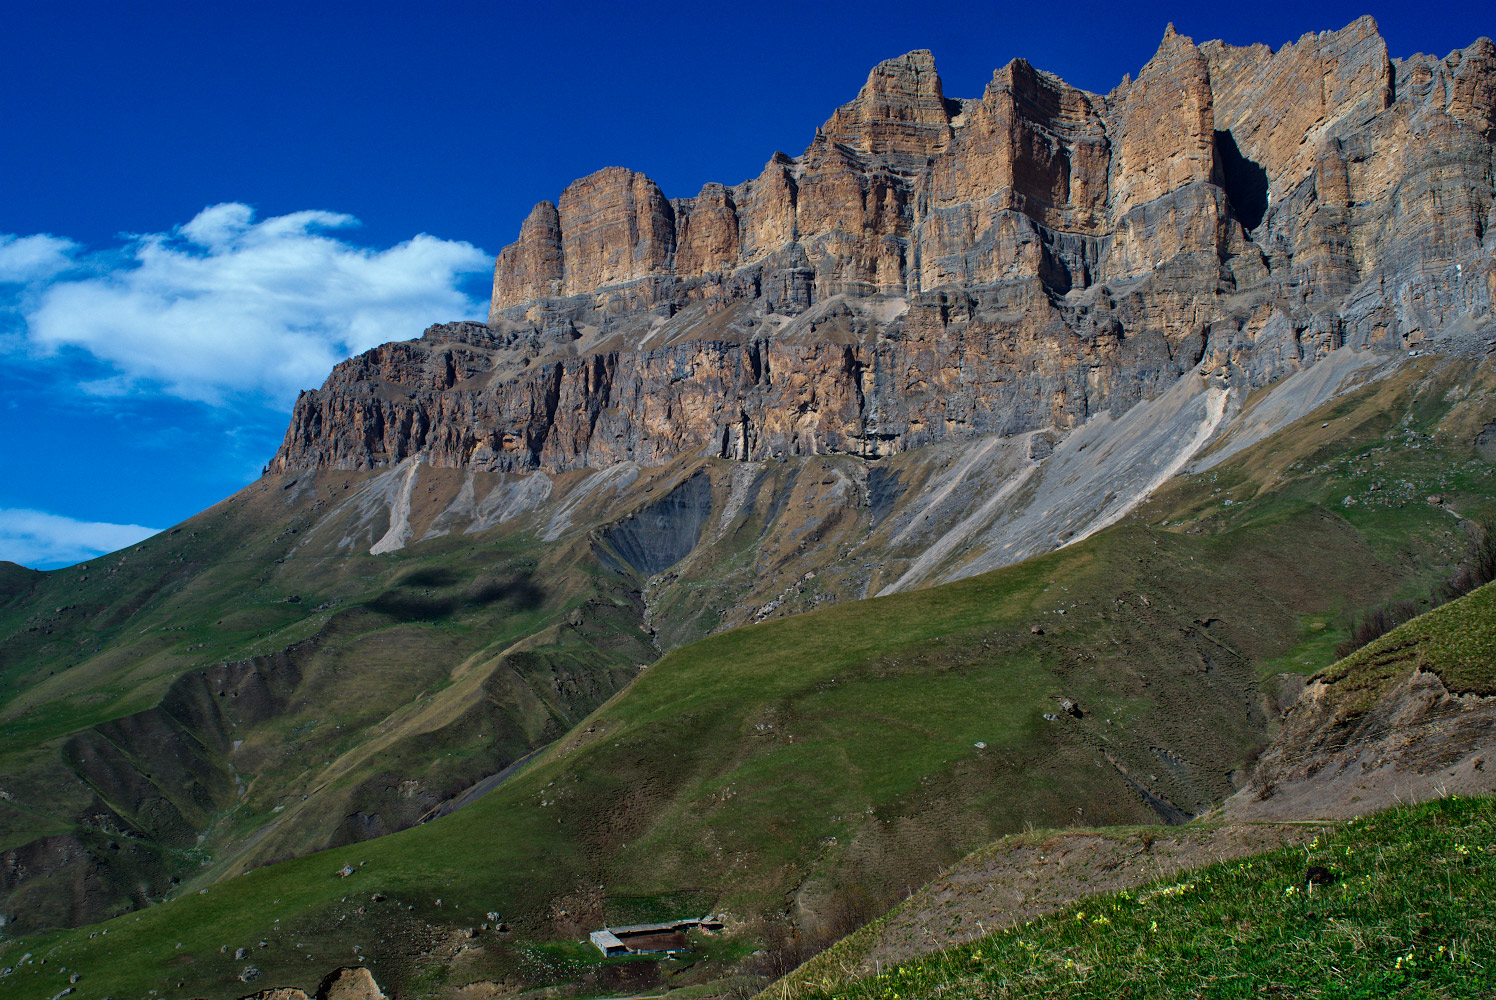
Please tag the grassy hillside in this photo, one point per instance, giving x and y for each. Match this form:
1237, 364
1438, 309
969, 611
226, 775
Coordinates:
790, 762
1456, 643
779, 761
250, 686
1411, 913
1020, 878
1408, 717
775, 771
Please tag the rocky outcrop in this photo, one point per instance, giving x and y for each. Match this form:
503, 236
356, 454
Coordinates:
932, 269
1164, 129
847, 198
941, 372
1408, 718
900, 117
613, 226
355, 983
532, 267
1033, 152
1419, 742
1281, 108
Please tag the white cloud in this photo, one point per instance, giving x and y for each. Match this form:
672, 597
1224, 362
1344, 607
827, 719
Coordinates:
41, 540
26, 259
227, 306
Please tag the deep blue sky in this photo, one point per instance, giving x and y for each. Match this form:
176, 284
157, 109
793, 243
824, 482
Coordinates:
450, 119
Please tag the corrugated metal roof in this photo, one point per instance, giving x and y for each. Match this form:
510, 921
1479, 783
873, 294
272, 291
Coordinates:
668, 925
606, 940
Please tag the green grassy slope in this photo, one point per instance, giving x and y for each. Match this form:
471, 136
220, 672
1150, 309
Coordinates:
1373, 458
377, 686
1454, 642
1412, 913
766, 770
727, 759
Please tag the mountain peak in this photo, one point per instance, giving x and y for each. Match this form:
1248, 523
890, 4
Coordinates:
900, 115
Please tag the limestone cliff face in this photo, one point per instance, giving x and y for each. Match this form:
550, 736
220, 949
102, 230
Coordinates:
933, 269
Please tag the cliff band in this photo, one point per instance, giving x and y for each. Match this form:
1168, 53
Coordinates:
935, 269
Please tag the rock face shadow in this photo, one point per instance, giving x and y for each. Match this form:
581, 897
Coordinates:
666, 531
1245, 181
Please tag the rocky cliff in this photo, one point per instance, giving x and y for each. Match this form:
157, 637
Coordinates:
935, 269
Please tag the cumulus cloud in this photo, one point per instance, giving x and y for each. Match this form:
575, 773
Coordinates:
44, 541
226, 305
26, 259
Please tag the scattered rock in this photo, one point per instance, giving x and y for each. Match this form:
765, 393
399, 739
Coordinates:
355, 983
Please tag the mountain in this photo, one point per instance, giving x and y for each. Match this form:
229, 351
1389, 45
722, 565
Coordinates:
994, 462
933, 270
789, 773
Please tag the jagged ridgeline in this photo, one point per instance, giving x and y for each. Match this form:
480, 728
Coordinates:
932, 269
1123, 408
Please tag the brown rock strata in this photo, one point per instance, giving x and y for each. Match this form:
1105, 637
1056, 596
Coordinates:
933, 269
